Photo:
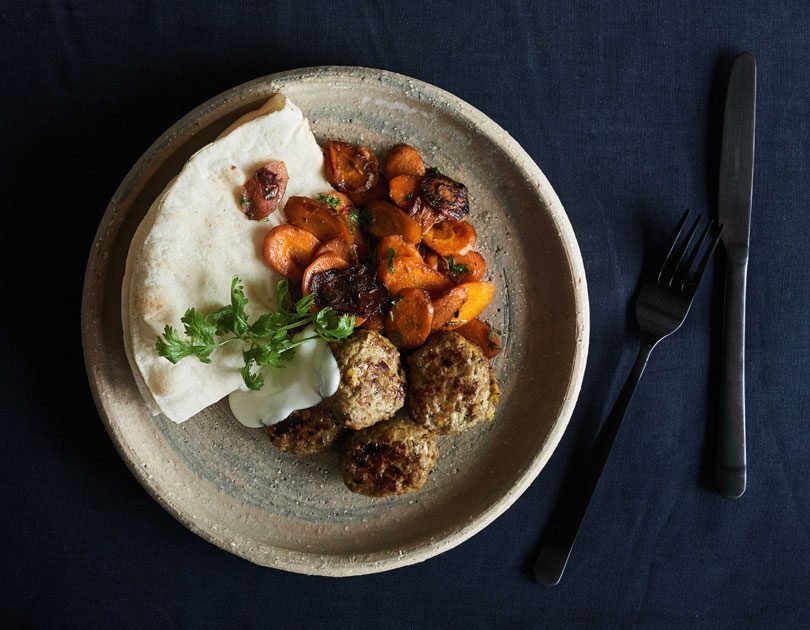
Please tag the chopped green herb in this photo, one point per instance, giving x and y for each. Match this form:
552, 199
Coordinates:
243, 200
457, 269
391, 254
410, 196
330, 200
268, 340
393, 305
491, 339
434, 170
361, 217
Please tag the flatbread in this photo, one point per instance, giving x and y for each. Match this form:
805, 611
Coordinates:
195, 238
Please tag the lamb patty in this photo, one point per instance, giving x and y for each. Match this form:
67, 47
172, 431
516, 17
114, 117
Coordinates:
451, 384
372, 381
306, 431
392, 457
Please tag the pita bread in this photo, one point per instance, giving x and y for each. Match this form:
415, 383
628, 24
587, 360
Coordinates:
195, 238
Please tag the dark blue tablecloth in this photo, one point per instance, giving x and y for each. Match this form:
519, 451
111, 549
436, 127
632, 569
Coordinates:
619, 105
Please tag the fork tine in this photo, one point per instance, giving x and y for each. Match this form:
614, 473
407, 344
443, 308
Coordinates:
674, 242
692, 286
681, 251
682, 276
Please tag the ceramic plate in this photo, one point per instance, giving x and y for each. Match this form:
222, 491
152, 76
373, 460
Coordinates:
228, 483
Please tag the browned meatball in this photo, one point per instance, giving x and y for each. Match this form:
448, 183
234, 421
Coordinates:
306, 431
452, 386
392, 457
372, 381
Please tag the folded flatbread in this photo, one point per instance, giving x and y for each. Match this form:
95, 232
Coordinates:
195, 238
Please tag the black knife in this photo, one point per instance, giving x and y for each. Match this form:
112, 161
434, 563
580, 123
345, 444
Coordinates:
734, 213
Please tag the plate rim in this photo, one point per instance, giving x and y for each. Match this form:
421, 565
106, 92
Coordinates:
95, 280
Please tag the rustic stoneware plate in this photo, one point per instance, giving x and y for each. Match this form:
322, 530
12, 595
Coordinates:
228, 483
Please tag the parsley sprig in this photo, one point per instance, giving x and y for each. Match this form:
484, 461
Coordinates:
268, 340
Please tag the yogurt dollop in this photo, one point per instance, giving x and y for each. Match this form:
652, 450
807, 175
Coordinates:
310, 376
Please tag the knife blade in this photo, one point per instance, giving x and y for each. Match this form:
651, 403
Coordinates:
734, 213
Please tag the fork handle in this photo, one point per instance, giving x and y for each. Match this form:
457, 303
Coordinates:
566, 520
730, 470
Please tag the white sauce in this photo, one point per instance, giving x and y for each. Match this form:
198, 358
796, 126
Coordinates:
311, 375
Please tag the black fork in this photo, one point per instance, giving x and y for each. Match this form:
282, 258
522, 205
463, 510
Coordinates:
661, 308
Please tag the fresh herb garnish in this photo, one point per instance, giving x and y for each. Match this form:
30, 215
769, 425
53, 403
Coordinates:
457, 269
434, 170
391, 253
330, 200
410, 196
268, 340
393, 305
361, 217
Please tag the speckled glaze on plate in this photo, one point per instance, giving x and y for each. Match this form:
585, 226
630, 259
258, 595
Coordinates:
228, 483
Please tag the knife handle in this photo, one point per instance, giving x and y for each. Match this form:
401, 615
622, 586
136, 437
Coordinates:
730, 470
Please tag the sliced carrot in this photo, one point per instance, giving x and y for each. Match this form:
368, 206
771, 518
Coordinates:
468, 267
432, 260
447, 305
288, 250
374, 322
317, 218
424, 215
403, 159
320, 264
451, 237
387, 220
398, 273
350, 168
404, 189
482, 335
479, 295
338, 247
362, 199
409, 321
400, 248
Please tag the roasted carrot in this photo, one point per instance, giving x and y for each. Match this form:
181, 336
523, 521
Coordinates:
403, 159
468, 267
263, 192
451, 237
288, 250
321, 263
424, 215
398, 273
349, 168
374, 322
338, 247
482, 335
432, 260
447, 305
479, 295
362, 199
399, 247
387, 219
445, 195
318, 218
409, 321
404, 190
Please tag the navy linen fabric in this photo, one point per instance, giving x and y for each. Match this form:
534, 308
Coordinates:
619, 104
